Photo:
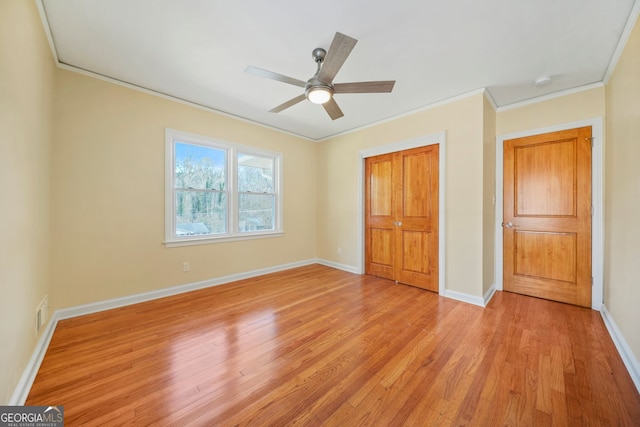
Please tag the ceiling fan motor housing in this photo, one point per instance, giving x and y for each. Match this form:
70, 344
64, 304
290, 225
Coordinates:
319, 54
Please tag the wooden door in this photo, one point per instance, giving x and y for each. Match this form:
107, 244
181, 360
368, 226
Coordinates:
547, 216
380, 211
401, 225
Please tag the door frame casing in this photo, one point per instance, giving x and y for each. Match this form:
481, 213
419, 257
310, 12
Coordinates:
597, 201
421, 141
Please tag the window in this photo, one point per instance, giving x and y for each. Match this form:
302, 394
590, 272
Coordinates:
217, 191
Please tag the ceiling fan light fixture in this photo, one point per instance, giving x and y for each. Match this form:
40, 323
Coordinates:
319, 94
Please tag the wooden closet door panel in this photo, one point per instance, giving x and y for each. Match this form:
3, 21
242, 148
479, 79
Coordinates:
417, 218
379, 216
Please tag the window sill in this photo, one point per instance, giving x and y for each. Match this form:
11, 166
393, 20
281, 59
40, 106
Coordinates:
212, 240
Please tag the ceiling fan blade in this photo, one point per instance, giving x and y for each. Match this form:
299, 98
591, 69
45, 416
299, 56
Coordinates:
274, 76
382, 86
331, 107
338, 52
288, 104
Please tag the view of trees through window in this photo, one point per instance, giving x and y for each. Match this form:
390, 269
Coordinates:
201, 197
255, 193
201, 191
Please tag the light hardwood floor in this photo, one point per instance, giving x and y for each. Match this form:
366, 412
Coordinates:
319, 346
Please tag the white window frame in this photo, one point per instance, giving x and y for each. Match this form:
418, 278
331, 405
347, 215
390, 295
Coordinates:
232, 149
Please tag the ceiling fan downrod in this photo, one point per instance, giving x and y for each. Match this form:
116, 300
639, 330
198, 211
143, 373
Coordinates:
317, 91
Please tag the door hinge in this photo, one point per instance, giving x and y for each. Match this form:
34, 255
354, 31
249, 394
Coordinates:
591, 140
591, 280
592, 210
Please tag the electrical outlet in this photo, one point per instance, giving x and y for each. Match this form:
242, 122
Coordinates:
186, 266
339, 251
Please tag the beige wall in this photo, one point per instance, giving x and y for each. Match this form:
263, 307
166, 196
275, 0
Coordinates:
338, 181
488, 198
26, 84
108, 194
578, 106
622, 194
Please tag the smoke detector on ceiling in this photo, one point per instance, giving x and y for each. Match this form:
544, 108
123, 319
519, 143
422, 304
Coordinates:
542, 81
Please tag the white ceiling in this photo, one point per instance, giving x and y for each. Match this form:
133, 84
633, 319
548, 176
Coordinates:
197, 50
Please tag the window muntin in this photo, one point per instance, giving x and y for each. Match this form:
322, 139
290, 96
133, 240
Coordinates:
218, 191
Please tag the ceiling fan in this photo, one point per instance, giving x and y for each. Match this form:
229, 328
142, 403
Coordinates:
320, 88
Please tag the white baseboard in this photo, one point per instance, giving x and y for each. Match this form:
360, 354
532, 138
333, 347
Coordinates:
21, 391
472, 299
347, 268
95, 307
489, 294
461, 296
630, 361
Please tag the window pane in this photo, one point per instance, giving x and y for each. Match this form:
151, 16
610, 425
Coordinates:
256, 212
200, 213
255, 173
199, 167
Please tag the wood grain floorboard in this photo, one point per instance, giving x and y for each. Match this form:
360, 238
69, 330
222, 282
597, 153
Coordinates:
317, 346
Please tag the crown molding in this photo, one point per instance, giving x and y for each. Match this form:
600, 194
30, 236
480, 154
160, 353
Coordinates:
622, 42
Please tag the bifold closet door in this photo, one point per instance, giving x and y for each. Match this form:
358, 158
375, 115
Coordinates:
401, 216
